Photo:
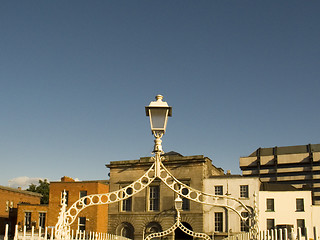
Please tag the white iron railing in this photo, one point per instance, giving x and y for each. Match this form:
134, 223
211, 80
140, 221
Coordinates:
280, 234
49, 234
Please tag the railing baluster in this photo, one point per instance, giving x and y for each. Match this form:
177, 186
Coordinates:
306, 233
39, 233
24, 232
6, 232
46, 233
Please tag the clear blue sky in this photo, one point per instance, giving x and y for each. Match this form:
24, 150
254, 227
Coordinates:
75, 77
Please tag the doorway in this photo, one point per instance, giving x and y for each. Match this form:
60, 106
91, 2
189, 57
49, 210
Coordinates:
180, 235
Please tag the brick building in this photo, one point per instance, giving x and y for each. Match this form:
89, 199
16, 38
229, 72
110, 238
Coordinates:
93, 218
152, 209
9, 200
32, 215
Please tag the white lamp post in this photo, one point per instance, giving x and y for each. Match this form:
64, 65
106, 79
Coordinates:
158, 111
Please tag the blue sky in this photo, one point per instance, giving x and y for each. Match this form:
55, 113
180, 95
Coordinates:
75, 77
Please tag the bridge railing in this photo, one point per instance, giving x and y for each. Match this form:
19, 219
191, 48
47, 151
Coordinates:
49, 234
280, 234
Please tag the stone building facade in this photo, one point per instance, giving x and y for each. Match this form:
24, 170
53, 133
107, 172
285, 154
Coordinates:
295, 165
9, 200
152, 209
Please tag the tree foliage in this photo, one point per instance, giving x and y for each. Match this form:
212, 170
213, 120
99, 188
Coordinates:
42, 188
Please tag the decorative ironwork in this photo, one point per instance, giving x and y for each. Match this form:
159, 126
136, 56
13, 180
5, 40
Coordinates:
177, 224
185, 191
157, 170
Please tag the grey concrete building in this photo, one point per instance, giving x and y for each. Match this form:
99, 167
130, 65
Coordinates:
295, 165
152, 209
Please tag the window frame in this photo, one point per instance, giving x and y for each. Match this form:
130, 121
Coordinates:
218, 221
302, 227
270, 205
81, 224
218, 190
300, 201
273, 223
83, 193
126, 204
42, 219
244, 191
154, 198
27, 219
244, 224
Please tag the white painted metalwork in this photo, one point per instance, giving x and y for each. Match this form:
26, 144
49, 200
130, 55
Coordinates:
46, 234
280, 234
157, 170
178, 224
185, 191
66, 218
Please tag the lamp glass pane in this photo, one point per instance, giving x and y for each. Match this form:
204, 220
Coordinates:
178, 204
158, 118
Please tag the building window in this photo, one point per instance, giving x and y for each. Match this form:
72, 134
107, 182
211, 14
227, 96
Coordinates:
126, 230
153, 227
244, 223
270, 205
270, 224
218, 190
218, 221
127, 203
154, 198
185, 201
82, 223
83, 194
299, 205
244, 191
302, 226
27, 220
42, 219
67, 196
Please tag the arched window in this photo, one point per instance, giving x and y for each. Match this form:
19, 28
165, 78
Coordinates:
153, 227
125, 229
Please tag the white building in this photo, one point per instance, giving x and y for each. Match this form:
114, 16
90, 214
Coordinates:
278, 205
279, 208
218, 220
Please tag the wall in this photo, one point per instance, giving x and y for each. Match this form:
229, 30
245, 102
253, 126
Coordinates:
285, 208
191, 170
35, 209
96, 216
15, 196
231, 185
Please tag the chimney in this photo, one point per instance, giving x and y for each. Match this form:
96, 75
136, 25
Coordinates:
67, 179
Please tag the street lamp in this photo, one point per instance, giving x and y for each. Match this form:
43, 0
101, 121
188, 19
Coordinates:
158, 111
178, 203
